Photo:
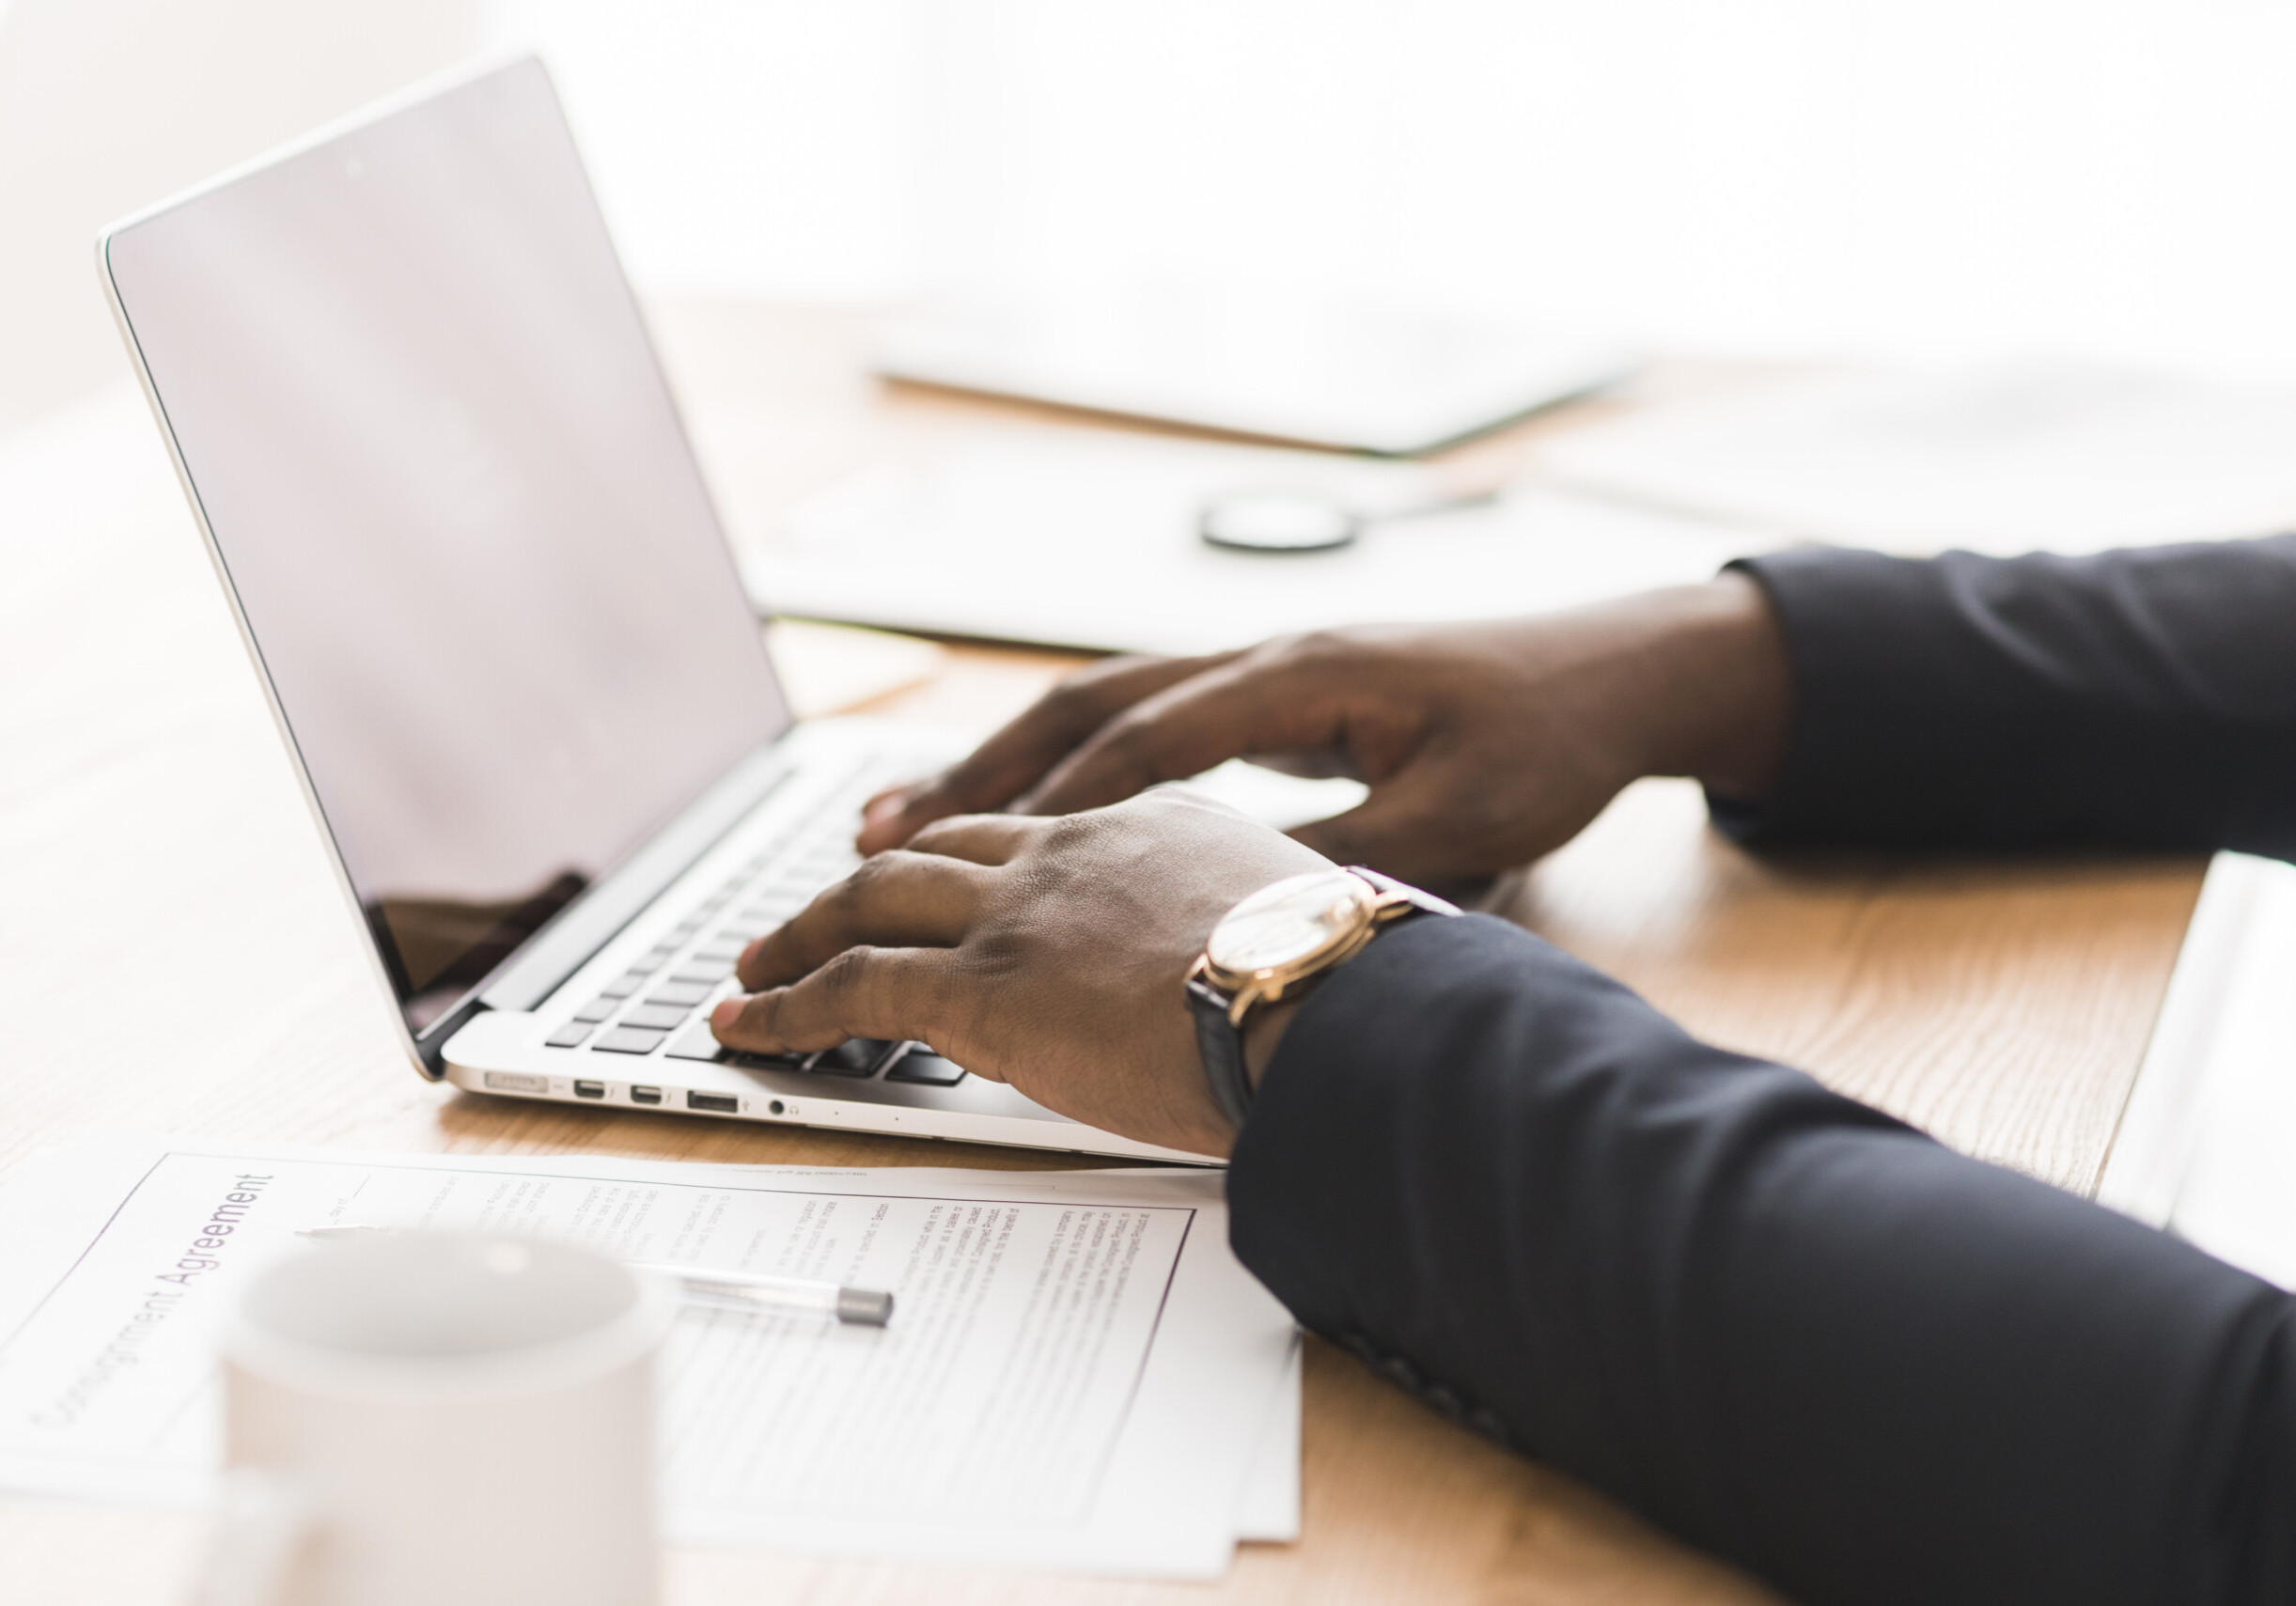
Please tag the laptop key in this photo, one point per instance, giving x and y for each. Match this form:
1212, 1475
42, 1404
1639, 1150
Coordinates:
657, 1017
720, 949
597, 1009
629, 1040
707, 974
921, 1065
679, 994
855, 1056
568, 1036
696, 1042
623, 986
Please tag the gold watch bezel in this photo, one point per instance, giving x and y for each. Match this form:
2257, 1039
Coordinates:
1248, 989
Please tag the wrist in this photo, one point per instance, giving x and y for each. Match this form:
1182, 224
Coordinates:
1722, 686
1269, 952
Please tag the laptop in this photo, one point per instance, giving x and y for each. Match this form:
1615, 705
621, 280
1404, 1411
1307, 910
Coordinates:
448, 494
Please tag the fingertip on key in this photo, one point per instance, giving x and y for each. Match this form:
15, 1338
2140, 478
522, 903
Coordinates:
726, 1014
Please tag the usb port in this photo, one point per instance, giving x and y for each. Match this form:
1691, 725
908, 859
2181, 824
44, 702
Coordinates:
645, 1096
723, 1103
589, 1090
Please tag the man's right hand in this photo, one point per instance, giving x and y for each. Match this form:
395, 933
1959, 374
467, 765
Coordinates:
1484, 745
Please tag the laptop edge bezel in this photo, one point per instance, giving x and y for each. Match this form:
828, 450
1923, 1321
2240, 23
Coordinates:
623, 890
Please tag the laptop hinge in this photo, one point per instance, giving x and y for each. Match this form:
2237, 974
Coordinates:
541, 964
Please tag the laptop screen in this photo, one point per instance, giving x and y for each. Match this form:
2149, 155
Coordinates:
466, 530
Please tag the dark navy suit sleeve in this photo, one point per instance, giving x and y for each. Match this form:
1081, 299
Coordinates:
1787, 1327
2141, 699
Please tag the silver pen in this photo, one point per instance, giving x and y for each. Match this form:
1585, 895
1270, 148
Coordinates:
736, 1290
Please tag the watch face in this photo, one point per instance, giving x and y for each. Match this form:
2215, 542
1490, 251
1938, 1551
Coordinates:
1289, 923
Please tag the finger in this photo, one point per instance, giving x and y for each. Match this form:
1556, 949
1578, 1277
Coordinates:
902, 901
978, 838
1282, 703
884, 807
1323, 764
863, 992
1420, 825
1016, 757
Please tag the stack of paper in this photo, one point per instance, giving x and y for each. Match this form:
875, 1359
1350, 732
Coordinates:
2205, 1142
2023, 457
1079, 1374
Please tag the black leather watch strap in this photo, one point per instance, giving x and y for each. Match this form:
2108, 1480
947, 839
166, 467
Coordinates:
1222, 1046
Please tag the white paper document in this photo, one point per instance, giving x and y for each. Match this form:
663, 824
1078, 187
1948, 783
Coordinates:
2207, 1145
1093, 541
1078, 1374
2021, 457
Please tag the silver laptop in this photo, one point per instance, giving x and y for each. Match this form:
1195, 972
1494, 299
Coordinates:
449, 496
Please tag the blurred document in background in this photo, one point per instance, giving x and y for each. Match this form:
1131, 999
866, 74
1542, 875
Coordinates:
2034, 456
1377, 380
1088, 540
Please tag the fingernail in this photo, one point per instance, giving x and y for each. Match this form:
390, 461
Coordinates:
726, 1014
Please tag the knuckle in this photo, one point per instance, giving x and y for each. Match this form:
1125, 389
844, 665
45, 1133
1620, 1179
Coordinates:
847, 900
845, 971
1325, 646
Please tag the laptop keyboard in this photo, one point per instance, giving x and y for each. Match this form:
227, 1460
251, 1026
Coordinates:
654, 1006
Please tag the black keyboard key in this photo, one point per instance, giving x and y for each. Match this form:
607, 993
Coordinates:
922, 1065
657, 1017
855, 1056
623, 986
698, 1042
629, 1040
597, 1009
568, 1036
678, 994
707, 974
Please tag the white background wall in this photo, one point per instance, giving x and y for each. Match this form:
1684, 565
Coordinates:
1931, 177
106, 105
1940, 177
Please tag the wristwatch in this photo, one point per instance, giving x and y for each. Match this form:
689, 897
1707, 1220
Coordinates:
1279, 943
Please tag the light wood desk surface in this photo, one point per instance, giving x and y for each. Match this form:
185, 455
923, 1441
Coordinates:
173, 956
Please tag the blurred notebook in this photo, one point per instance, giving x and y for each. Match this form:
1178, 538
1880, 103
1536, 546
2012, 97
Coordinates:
1089, 539
1392, 382
2030, 456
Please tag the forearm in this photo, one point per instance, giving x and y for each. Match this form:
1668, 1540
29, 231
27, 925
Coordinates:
2141, 699
1782, 1324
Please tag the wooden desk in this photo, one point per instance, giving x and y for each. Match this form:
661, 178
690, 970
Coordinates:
173, 956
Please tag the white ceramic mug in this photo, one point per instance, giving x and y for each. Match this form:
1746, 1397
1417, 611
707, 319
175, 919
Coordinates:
445, 1419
